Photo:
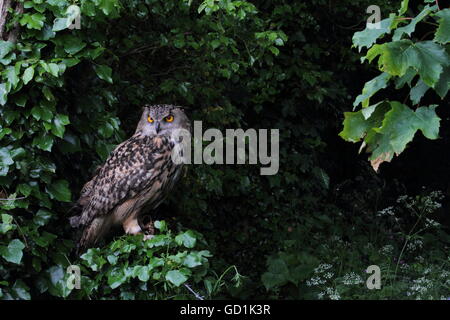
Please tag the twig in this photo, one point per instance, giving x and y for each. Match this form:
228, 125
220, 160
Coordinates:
13, 199
199, 297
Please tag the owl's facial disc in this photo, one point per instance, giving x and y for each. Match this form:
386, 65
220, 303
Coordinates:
162, 120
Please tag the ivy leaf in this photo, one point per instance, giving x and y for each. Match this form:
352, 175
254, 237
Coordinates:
28, 74
116, 277
44, 142
3, 93
60, 24
32, 21
13, 253
176, 277
443, 32
72, 44
59, 190
42, 217
11, 76
59, 123
5, 48
21, 290
5, 161
104, 72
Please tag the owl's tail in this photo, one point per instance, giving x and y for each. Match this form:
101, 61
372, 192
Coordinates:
91, 234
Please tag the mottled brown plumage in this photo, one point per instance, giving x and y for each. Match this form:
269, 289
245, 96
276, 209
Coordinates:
139, 172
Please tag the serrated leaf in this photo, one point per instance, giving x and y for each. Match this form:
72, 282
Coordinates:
395, 58
398, 129
371, 87
357, 124
418, 91
443, 32
409, 29
443, 85
368, 36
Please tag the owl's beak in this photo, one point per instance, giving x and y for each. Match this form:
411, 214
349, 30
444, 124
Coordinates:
158, 127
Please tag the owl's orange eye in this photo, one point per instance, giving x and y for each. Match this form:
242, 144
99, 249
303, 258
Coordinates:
169, 118
149, 119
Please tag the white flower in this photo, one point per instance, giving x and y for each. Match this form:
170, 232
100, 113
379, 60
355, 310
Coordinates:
351, 279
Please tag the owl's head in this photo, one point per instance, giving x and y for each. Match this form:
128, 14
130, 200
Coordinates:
162, 119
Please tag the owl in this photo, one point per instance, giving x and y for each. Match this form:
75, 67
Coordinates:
138, 175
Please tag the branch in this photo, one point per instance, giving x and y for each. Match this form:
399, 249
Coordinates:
4, 6
199, 297
15, 31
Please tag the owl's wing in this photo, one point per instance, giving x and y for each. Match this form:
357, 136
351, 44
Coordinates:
132, 167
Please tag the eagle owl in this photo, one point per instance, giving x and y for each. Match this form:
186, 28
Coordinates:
138, 173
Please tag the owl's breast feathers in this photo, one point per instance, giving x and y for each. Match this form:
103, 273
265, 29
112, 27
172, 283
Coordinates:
139, 169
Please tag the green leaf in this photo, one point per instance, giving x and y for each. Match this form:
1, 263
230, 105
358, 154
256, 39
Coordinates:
368, 36
371, 87
3, 93
60, 24
28, 74
104, 72
357, 124
186, 239
13, 253
116, 277
443, 32
427, 57
403, 7
59, 190
32, 21
7, 223
12, 76
21, 290
443, 85
59, 123
277, 275
142, 272
176, 277
5, 48
409, 29
418, 91
44, 142
398, 129
71, 44
42, 217
160, 225
5, 161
